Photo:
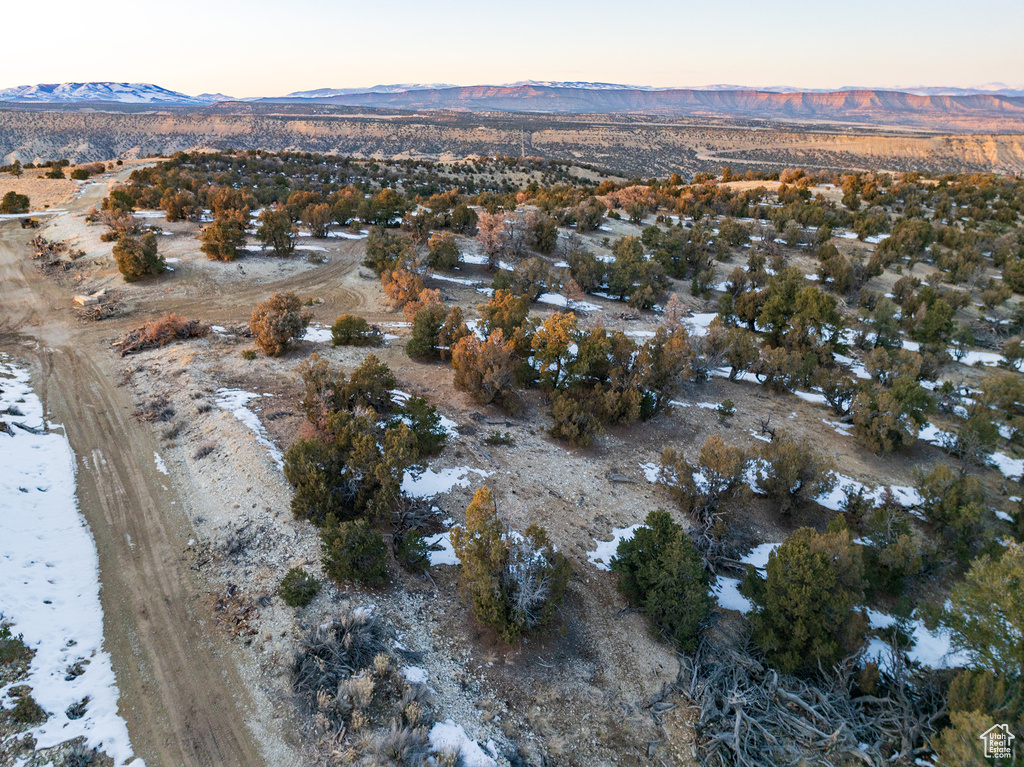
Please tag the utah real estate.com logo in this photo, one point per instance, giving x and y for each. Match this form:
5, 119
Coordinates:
997, 740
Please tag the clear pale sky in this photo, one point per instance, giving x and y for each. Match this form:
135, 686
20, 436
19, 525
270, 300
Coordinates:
269, 48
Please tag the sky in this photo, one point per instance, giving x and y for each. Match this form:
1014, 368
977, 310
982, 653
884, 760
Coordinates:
269, 48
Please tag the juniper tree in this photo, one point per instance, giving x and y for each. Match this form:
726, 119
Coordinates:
277, 322
794, 472
223, 238
276, 231
444, 252
514, 583
486, 369
138, 257
660, 571
805, 608
720, 469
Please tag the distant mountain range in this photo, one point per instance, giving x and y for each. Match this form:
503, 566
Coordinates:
106, 93
847, 104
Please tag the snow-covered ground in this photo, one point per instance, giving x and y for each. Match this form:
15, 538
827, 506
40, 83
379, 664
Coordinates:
727, 590
429, 483
235, 402
698, 323
456, 280
50, 575
51, 212
1010, 467
318, 334
446, 556
931, 648
601, 557
557, 299
845, 486
449, 736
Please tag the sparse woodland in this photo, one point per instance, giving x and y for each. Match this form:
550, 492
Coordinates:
892, 303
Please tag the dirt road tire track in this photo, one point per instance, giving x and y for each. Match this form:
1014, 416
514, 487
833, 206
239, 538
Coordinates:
181, 693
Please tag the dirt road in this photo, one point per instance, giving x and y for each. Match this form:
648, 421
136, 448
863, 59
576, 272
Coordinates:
181, 693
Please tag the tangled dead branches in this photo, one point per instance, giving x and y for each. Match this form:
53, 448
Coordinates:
749, 714
156, 333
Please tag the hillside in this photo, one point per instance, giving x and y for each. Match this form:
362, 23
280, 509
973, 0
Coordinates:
629, 145
943, 109
871, 105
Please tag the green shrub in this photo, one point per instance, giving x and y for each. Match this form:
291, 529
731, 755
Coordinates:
27, 711
889, 419
496, 438
806, 607
426, 329
350, 330
223, 238
575, 418
660, 571
954, 503
356, 472
298, 588
14, 203
248, 354
79, 174
354, 464
793, 472
412, 552
894, 552
444, 253
384, 249
985, 612
425, 423
12, 648
354, 551
137, 258
720, 468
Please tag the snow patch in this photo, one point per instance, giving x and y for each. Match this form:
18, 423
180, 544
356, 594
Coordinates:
318, 334
235, 401
50, 572
651, 471
415, 674
601, 557
428, 482
446, 556
1010, 467
448, 736
557, 299
931, 648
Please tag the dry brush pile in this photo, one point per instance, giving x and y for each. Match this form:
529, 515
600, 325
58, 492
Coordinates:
160, 332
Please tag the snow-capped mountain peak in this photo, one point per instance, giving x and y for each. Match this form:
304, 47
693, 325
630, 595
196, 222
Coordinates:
99, 92
579, 85
322, 93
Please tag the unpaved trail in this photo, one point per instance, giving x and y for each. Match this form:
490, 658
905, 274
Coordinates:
181, 692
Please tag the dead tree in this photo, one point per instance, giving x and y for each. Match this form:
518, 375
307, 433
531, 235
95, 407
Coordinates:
748, 714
